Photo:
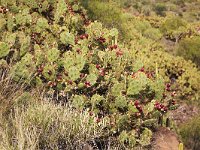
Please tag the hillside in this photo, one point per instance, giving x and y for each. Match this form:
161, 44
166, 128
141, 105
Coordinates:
97, 74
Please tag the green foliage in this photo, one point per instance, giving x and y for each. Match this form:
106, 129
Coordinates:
24, 43
129, 138
67, 38
85, 64
41, 25
97, 100
143, 36
121, 102
49, 72
153, 34
117, 89
98, 9
4, 49
61, 9
53, 55
184, 73
160, 9
111, 16
2, 23
22, 70
78, 102
190, 133
189, 49
187, 9
137, 84
145, 137
173, 27
23, 17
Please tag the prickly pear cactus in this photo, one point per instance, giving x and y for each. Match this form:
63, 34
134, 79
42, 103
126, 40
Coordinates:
4, 49
52, 44
67, 38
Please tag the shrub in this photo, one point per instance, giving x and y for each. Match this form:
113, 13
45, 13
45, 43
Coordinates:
153, 34
190, 133
182, 73
160, 9
109, 14
173, 27
189, 48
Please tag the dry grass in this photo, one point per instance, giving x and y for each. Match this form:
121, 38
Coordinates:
28, 121
44, 125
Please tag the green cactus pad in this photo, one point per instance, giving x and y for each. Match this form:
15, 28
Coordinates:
53, 54
4, 49
138, 84
67, 38
49, 72
73, 73
120, 102
145, 138
117, 89
92, 78
96, 99
78, 102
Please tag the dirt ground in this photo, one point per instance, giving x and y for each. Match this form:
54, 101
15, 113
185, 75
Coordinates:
165, 139
184, 113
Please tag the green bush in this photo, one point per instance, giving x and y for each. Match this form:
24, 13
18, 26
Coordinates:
160, 9
189, 48
173, 27
153, 33
190, 133
183, 73
109, 14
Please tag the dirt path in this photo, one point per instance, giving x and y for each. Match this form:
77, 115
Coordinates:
165, 139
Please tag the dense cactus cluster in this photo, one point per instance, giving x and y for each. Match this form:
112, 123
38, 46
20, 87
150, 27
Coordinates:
151, 38
52, 44
184, 74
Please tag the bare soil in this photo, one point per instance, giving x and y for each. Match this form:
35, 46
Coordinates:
184, 113
165, 139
